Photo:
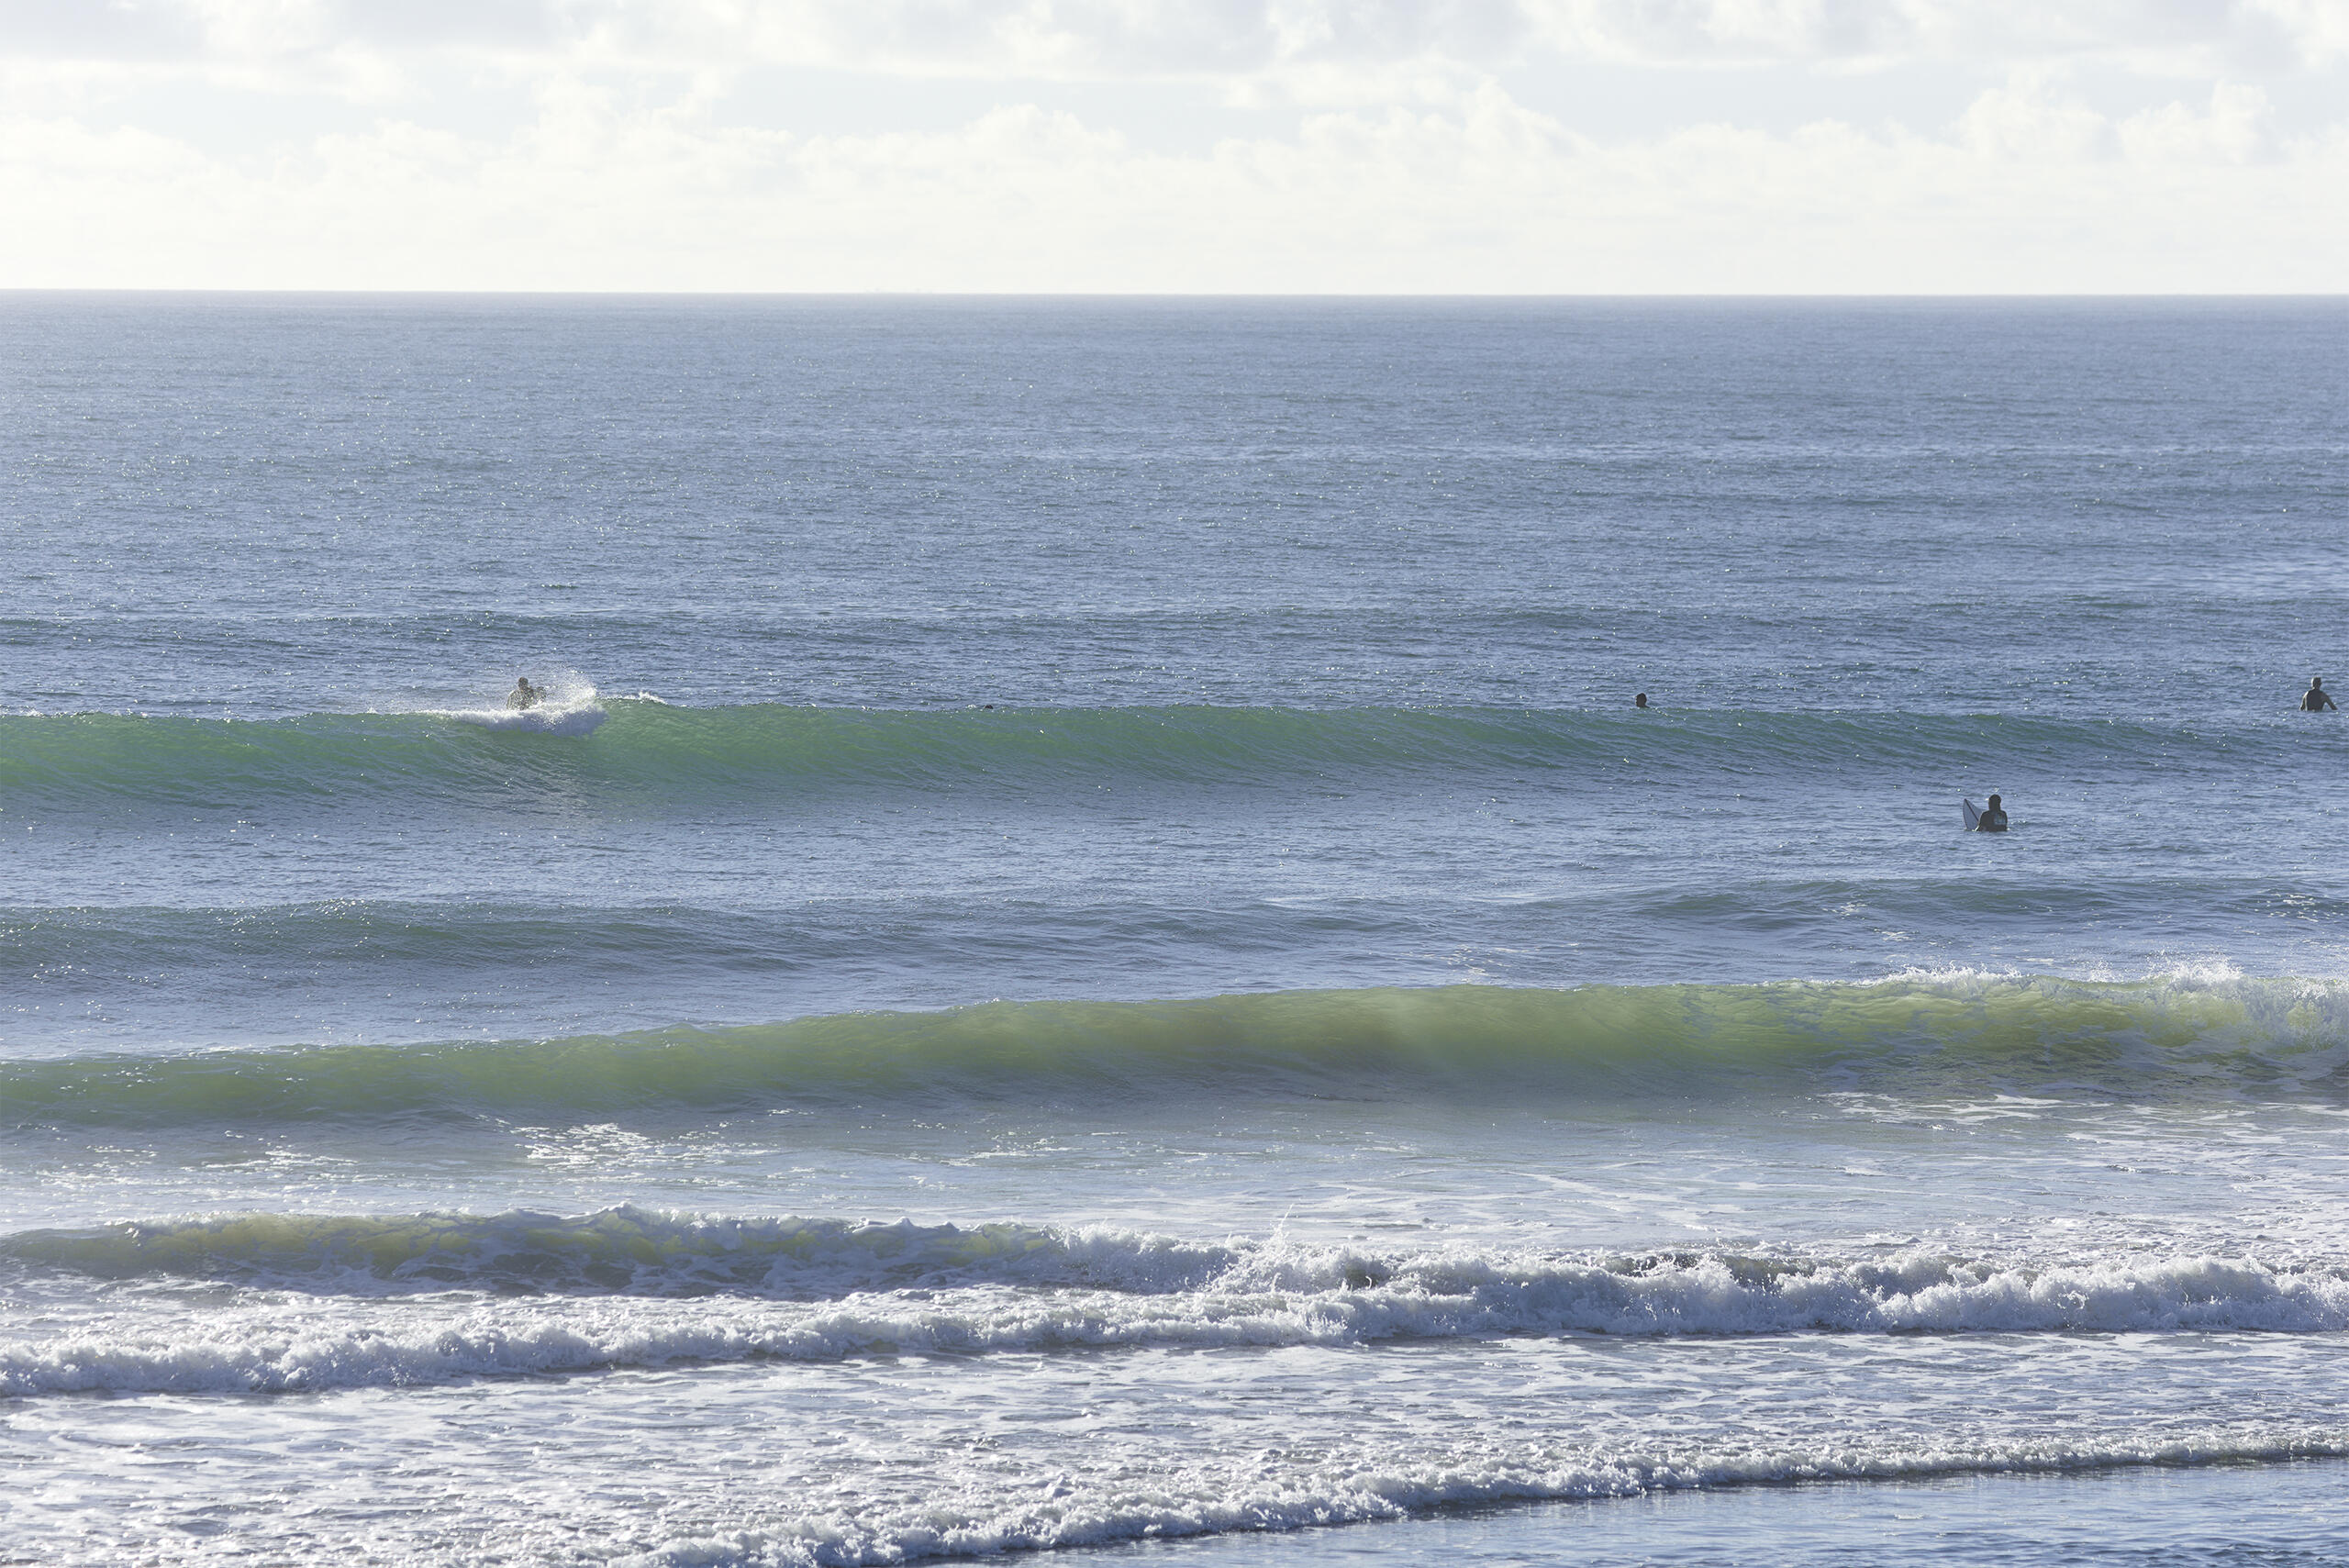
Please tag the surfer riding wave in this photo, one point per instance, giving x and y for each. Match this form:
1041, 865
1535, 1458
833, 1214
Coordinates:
562, 704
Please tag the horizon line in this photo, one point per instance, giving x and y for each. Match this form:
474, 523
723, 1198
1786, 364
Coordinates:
7, 289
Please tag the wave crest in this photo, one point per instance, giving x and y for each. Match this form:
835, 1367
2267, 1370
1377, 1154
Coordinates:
2180, 1036
651, 750
816, 1290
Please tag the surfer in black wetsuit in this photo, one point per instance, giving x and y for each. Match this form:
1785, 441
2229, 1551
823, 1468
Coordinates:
1993, 818
1640, 701
524, 694
2316, 699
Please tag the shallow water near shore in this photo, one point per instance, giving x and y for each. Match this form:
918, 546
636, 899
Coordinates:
2279, 1514
1090, 957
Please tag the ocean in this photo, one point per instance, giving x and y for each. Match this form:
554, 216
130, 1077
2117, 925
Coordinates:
1090, 955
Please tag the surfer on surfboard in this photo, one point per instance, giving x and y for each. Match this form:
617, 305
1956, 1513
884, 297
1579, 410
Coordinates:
1991, 818
525, 695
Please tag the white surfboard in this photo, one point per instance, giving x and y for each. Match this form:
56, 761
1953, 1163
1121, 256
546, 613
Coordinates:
1973, 814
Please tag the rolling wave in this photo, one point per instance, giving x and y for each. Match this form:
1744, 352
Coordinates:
1358, 1484
626, 1251
2178, 1036
634, 753
630, 1288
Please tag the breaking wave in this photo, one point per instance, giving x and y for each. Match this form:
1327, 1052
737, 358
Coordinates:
1352, 1487
2176, 1036
632, 1288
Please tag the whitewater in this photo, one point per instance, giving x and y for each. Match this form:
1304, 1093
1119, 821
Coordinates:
1089, 956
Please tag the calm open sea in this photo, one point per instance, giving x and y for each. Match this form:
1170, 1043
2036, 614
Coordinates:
1090, 954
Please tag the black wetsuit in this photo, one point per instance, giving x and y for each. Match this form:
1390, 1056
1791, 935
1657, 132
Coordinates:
2316, 700
1992, 820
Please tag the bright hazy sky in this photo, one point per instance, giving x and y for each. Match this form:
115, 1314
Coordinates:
1149, 146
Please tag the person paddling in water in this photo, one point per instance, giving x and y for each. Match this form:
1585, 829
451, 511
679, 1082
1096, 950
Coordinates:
1993, 818
524, 694
2316, 699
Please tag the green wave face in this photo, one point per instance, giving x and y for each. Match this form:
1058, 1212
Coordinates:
632, 753
617, 1250
2165, 1038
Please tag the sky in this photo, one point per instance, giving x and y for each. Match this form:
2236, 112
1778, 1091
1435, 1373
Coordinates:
1178, 145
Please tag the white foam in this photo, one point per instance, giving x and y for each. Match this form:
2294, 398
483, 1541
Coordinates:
547, 718
1201, 1499
1151, 1295
569, 708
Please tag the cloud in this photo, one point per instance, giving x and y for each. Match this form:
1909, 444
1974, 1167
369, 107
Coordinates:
2164, 34
2027, 192
1115, 39
1365, 146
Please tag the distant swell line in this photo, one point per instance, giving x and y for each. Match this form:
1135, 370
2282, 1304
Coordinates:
2179, 1036
628, 752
